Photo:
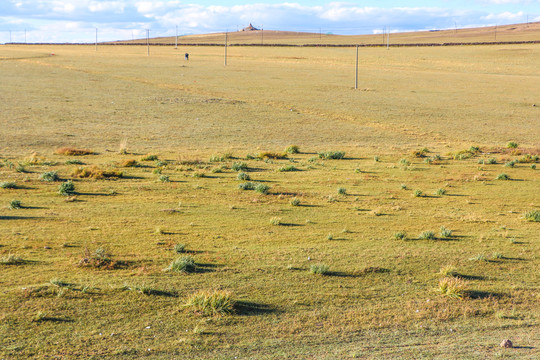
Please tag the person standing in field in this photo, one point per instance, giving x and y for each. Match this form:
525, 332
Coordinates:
186, 56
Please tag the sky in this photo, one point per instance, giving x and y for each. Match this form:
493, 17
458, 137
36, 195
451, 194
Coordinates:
77, 20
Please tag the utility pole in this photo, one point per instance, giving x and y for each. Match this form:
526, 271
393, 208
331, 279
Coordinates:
226, 35
176, 43
356, 76
496, 32
147, 42
388, 40
262, 35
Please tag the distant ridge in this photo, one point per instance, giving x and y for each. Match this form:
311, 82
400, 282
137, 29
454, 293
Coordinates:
525, 33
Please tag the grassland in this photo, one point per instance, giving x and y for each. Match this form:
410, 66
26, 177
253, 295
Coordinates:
83, 275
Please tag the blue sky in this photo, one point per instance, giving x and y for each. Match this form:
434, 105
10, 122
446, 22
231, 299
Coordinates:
76, 20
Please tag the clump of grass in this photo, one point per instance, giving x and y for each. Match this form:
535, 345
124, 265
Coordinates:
11, 260
262, 188
247, 186
448, 271
295, 201
342, 191
164, 178
271, 155
533, 215
276, 221
502, 176
15, 204
99, 259
418, 193
440, 192
491, 161
533, 166
400, 235
67, 188
453, 287
497, 255
512, 145
217, 158
287, 168
71, 151
445, 233
94, 172
420, 153
479, 257
49, 176
180, 248
20, 168
149, 157
404, 162
74, 162
216, 302
198, 174
243, 176
239, 166
8, 185
427, 235
376, 158
403, 187
292, 149
184, 264
319, 269
510, 164
328, 155
330, 237
129, 163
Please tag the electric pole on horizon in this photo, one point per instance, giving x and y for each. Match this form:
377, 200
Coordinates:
356, 76
226, 35
147, 42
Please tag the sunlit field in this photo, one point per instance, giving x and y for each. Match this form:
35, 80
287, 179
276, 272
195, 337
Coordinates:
156, 207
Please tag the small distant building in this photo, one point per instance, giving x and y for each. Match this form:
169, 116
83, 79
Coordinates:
250, 28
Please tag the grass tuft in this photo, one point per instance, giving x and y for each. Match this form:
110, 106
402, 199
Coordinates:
427, 235
8, 185
49, 176
216, 302
239, 166
66, 188
292, 149
332, 155
71, 151
400, 235
15, 204
11, 260
319, 269
502, 176
533, 215
445, 233
184, 264
512, 145
262, 188
453, 287
295, 201
243, 176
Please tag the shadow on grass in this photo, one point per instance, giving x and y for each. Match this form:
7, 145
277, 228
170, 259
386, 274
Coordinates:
471, 277
291, 225
163, 293
56, 319
206, 268
476, 294
19, 217
246, 308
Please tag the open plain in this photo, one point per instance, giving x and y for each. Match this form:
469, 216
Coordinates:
397, 220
